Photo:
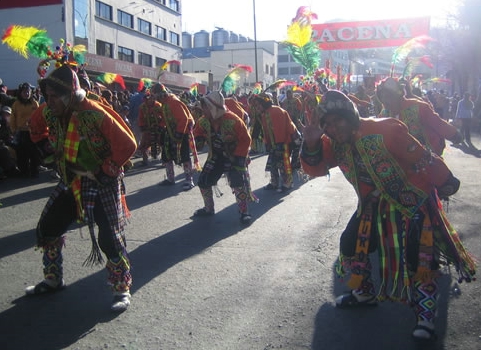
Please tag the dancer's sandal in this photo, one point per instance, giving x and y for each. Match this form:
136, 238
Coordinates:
202, 212
167, 183
188, 186
424, 333
121, 302
349, 300
245, 218
44, 287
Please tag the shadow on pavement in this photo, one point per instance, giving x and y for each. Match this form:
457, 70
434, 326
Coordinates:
385, 326
468, 148
59, 320
13, 244
17, 199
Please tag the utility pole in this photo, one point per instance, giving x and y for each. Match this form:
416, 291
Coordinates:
255, 40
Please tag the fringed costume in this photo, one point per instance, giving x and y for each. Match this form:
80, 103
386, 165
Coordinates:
150, 123
91, 143
228, 141
178, 141
399, 214
280, 134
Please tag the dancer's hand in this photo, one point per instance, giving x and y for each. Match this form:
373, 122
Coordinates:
312, 132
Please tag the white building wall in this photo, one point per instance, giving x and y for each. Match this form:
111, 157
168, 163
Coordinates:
220, 61
59, 22
133, 39
14, 68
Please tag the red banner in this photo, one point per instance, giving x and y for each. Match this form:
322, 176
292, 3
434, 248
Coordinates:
369, 34
28, 3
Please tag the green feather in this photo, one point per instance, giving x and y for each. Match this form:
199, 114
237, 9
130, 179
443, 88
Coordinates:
39, 44
308, 56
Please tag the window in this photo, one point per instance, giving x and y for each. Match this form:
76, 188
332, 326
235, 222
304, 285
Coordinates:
174, 5
144, 59
174, 38
103, 10
144, 26
81, 20
125, 54
160, 33
283, 71
283, 58
296, 70
159, 62
104, 49
267, 69
125, 19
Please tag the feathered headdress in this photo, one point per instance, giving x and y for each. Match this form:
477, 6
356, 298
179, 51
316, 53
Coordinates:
164, 67
438, 80
417, 80
27, 41
109, 78
257, 89
402, 52
31, 41
279, 84
299, 42
144, 83
231, 80
65, 53
413, 62
194, 89
72, 56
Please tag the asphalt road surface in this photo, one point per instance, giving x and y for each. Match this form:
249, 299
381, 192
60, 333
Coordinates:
211, 283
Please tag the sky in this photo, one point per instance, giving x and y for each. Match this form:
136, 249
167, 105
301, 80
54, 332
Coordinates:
273, 16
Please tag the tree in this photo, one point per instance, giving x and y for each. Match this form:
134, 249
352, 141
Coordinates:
461, 47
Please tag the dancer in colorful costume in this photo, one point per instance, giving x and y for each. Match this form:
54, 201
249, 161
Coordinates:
396, 180
91, 146
422, 121
293, 105
178, 142
228, 140
279, 134
150, 124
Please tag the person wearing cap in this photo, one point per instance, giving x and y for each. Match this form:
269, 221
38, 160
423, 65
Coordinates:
228, 141
150, 124
177, 122
91, 144
422, 121
396, 180
28, 158
280, 134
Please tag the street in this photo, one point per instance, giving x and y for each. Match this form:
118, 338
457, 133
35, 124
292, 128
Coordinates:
211, 283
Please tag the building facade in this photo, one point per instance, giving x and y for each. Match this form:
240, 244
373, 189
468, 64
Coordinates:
213, 55
129, 38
